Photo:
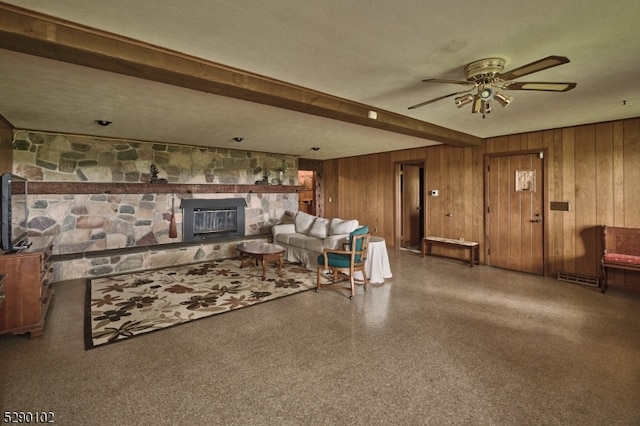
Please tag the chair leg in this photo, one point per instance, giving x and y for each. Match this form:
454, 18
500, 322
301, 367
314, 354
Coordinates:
353, 286
605, 283
366, 280
335, 277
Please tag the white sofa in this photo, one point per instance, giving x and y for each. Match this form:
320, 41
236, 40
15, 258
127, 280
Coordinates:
308, 235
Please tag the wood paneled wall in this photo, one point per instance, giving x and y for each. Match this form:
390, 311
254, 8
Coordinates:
6, 146
596, 168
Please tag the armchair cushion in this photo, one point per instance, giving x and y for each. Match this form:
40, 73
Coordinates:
319, 228
621, 259
337, 260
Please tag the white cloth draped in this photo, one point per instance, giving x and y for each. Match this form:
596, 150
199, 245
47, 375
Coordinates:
377, 264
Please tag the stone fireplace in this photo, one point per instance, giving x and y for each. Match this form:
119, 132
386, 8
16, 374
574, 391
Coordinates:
210, 219
105, 226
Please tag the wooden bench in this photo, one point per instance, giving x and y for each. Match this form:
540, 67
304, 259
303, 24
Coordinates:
621, 250
471, 246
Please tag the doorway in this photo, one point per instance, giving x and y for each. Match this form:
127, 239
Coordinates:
306, 198
410, 202
514, 211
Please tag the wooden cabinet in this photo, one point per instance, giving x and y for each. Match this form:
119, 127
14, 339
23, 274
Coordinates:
27, 289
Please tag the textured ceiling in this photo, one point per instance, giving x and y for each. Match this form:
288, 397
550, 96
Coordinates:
373, 52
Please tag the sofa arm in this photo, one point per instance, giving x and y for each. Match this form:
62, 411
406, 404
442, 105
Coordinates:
285, 228
336, 242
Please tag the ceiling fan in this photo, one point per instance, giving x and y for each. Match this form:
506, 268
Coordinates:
486, 78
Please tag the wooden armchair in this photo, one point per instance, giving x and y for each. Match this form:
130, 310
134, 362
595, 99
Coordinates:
621, 251
342, 264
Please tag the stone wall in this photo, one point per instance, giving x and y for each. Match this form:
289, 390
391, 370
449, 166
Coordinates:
85, 224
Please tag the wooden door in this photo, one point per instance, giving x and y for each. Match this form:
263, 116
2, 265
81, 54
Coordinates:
411, 207
515, 220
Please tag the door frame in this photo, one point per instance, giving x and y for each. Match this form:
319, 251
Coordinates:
545, 193
397, 213
313, 189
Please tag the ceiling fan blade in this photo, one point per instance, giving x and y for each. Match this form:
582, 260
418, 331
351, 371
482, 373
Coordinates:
541, 86
539, 65
437, 99
440, 80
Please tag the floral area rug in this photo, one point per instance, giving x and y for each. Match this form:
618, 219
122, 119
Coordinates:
125, 306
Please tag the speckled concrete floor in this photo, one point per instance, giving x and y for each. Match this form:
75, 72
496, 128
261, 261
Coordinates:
438, 344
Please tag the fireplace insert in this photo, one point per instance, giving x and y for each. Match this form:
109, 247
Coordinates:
210, 219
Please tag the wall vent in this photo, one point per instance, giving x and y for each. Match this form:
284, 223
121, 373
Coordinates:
579, 279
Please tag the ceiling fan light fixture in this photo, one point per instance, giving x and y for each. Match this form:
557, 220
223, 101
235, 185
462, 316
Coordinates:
463, 100
503, 99
485, 108
485, 93
477, 104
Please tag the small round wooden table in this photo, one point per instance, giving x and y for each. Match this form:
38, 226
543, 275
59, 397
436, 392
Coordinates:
261, 252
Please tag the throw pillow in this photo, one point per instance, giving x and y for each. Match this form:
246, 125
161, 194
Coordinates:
319, 228
303, 222
339, 226
287, 217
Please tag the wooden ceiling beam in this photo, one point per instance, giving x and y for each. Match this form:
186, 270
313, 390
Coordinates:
40, 35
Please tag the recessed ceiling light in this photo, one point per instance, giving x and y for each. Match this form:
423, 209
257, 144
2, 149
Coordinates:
238, 139
315, 148
104, 122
